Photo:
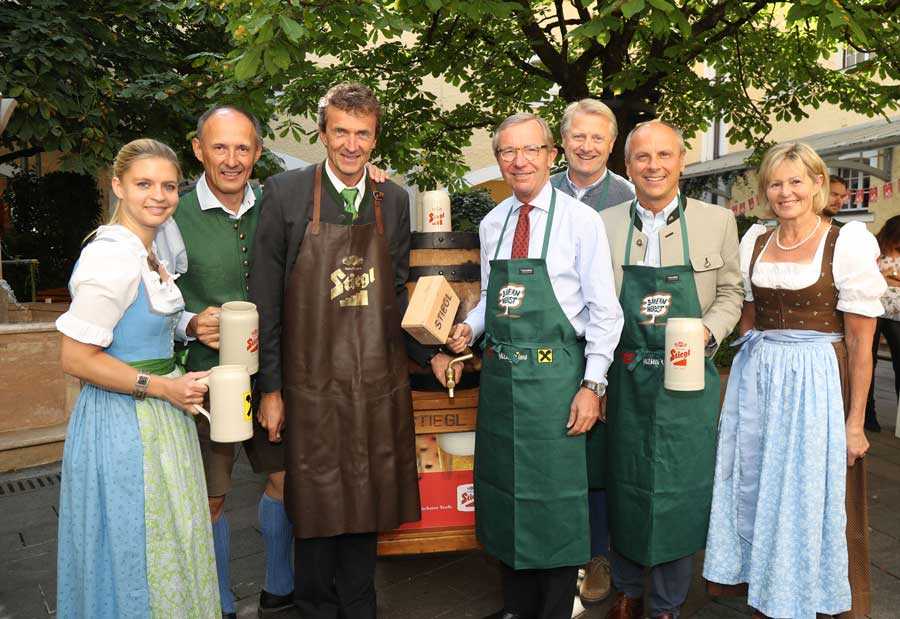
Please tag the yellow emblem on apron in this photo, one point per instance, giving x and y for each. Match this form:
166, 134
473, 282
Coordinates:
545, 355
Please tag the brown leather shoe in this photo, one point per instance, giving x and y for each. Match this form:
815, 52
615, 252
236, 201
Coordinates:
626, 608
759, 615
596, 583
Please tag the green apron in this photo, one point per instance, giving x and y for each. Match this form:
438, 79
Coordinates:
530, 477
661, 443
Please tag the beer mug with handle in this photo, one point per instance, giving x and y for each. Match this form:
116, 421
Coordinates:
230, 415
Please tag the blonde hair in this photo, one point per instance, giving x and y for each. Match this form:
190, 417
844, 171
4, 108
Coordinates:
142, 148
797, 152
588, 106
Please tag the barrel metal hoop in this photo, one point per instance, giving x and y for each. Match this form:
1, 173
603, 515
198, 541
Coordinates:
451, 272
445, 240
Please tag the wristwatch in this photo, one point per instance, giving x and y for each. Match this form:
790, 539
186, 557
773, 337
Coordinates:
140, 385
599, 389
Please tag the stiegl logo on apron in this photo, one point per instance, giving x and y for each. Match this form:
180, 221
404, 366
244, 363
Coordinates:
655, 306
352, 279
510, 297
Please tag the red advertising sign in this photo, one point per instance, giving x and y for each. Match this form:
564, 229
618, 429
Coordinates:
447, 498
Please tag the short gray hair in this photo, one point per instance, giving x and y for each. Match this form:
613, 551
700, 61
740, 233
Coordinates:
588, 106
518, 119
257, 128
642, 125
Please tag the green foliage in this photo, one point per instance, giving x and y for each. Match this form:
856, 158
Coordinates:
640, 56
90, 76
50, 216
468, 208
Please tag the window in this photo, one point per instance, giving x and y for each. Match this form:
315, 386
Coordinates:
853, 57
861, 180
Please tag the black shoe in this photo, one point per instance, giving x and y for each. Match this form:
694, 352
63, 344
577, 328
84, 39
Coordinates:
229, 615
271, 605
505, 614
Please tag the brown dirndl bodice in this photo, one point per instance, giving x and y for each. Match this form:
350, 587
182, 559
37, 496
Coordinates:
350, 459
815, 308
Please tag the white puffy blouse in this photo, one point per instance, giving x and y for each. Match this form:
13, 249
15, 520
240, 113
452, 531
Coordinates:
855, 269
105, 283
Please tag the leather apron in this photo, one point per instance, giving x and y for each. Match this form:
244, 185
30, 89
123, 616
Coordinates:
661, 442
530, 477
350, 457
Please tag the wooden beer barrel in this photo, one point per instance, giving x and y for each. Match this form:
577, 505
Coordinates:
456, 256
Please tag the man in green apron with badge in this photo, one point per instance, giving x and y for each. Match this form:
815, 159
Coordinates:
672, 258
589, 130
551, 322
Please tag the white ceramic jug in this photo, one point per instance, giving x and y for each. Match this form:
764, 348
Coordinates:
239, 335
685, 354
436, 211
230, 415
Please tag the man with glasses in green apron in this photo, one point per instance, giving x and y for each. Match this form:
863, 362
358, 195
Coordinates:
680, 257
589, 130
551, 322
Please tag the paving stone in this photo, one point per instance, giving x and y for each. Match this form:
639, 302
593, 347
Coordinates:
246, 542
885, 596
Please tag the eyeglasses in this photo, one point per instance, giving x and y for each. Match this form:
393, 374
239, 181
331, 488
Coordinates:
531, 152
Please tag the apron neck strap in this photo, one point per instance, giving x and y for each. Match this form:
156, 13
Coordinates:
685, 252
377, 196
317, 201
547, 227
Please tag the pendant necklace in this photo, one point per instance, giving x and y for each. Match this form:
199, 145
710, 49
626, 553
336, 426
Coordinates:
805, 239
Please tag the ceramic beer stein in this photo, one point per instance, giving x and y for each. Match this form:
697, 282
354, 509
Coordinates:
436, 211
230, 415
685, 354
239, 335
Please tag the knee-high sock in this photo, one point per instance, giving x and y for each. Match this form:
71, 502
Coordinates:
222, 546
278, 540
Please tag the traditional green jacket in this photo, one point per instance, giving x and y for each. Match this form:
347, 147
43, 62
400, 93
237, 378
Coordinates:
220, 255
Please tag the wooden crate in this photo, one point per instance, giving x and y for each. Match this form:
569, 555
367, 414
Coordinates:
436, 413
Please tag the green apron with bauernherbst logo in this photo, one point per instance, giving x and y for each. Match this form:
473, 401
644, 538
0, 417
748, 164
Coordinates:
530, 477
661, 443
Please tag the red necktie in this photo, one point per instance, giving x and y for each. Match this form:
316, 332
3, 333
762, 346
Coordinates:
523, 233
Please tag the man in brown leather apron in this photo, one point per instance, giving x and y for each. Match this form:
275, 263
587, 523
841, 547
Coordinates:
680, 257
551, 321
331, 261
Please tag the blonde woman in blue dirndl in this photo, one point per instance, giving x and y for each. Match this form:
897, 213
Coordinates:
134, 533
788, 519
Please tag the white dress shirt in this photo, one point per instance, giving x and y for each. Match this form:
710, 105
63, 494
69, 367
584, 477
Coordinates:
855, 269
579, 266
578, 193
170, 246
105, 284
652, 224
340, 186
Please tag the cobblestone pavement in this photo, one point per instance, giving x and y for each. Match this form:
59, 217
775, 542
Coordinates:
449, 585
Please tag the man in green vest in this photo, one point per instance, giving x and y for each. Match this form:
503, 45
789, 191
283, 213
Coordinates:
210, 243
589, 130
672, 258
